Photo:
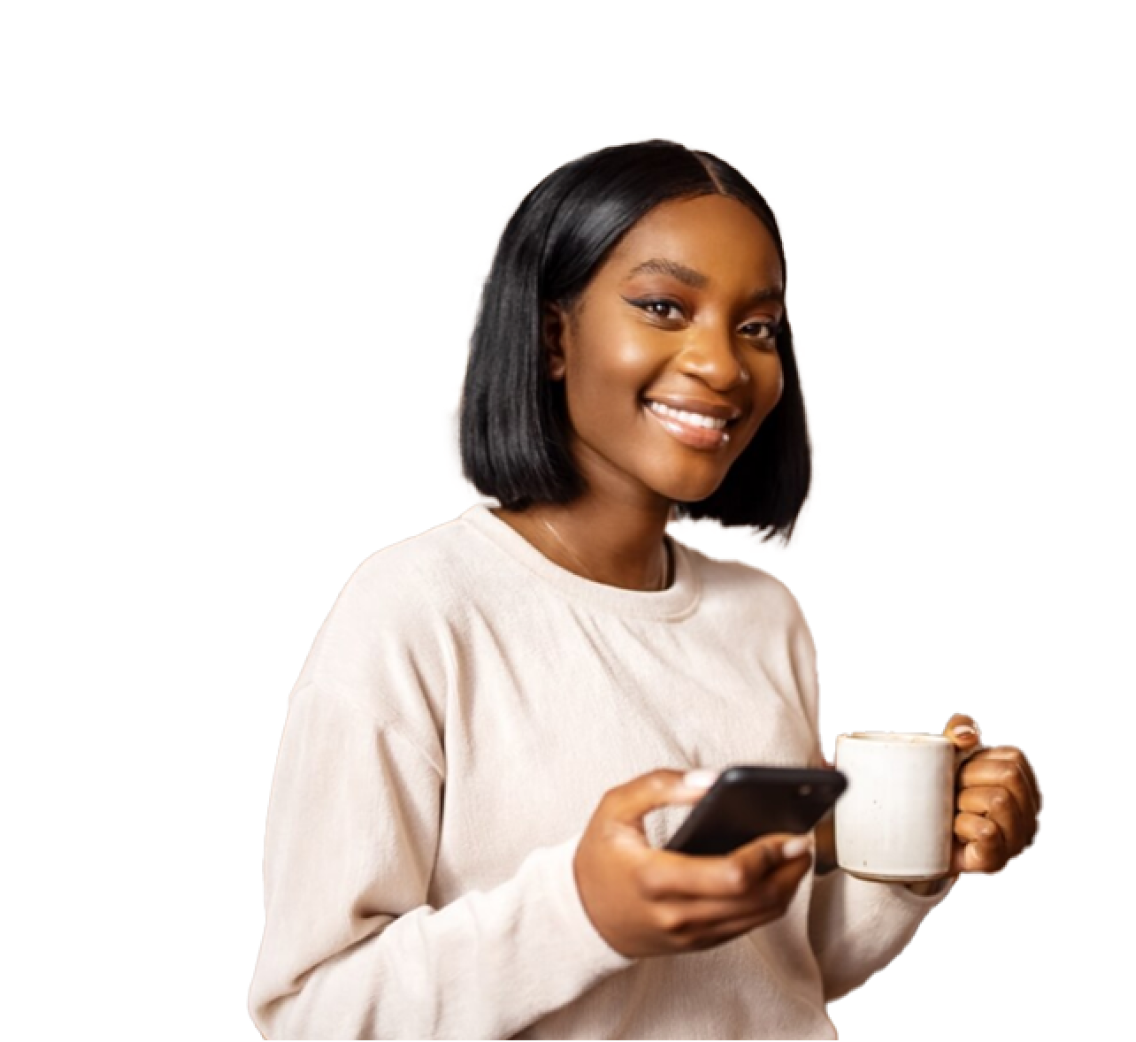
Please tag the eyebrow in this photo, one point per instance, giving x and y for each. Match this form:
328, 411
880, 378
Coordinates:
695, 279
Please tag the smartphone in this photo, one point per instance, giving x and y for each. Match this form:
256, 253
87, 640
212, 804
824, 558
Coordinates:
747, 802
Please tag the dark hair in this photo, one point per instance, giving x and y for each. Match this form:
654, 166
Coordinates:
513, 423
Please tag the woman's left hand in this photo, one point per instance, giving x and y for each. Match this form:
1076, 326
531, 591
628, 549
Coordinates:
996, 804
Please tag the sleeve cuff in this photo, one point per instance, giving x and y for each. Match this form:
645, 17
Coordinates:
927, 900
600, 955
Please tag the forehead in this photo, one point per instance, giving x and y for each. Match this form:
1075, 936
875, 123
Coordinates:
713, 234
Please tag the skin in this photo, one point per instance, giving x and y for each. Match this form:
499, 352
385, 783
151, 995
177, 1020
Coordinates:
638, 335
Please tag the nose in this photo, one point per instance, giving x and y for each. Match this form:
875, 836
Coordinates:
711, 356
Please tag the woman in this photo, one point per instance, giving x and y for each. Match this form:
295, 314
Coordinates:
501, 719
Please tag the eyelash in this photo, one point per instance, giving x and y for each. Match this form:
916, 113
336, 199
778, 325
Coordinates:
647, 303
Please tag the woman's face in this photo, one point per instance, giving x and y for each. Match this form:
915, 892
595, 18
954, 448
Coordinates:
680, 319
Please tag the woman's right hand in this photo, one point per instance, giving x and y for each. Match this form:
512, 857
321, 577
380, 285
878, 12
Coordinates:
644, 901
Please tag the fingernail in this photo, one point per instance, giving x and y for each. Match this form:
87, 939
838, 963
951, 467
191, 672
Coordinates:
795, 847
700, 779
963, 731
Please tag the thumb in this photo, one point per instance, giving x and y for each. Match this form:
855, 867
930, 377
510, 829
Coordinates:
628, 803
963, 731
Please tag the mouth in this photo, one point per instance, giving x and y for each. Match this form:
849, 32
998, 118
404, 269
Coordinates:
697, 430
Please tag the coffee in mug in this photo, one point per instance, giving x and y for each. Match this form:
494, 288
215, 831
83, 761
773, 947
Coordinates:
896, 819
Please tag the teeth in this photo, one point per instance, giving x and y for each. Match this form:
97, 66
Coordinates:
694, 419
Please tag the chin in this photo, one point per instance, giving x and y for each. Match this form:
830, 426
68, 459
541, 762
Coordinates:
690, 491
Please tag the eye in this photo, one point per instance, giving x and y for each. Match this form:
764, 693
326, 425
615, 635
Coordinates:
762, 329
657, 307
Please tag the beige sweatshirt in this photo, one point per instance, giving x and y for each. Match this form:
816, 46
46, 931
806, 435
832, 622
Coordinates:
464, 707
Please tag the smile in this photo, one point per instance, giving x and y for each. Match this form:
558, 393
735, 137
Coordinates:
691, 428
691, 419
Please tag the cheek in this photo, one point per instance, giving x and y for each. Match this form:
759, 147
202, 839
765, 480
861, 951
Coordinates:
631, 358
619, 364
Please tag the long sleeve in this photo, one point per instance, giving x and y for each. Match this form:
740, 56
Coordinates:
351, 948
857, 927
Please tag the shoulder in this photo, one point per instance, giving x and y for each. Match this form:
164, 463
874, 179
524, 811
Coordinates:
756, 615
386, 642
412, 578
736, 587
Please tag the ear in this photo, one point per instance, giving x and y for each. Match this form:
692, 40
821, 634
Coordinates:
553, 330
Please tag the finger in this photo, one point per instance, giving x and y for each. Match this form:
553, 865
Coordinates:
764, 856
997, 805
997, 767
971, 828
774, 891
628, 803
702, 937
1031, 777
984, 850
1016, 756
963, 730
667, 875
670, 875
980, 856
985, 855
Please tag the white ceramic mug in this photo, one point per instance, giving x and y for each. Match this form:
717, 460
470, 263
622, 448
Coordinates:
895, 821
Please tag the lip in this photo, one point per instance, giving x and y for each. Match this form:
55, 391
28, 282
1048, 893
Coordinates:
718, 410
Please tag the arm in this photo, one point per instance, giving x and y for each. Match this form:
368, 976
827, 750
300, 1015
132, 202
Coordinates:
351, 948
856, 926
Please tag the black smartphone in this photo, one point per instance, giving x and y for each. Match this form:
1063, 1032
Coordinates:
747, 802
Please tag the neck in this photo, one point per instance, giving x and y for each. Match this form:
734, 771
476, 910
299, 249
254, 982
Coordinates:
616, 544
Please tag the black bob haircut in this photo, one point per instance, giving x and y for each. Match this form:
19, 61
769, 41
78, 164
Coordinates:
514, 425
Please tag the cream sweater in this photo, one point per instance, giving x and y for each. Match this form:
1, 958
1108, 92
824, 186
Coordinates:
464, 707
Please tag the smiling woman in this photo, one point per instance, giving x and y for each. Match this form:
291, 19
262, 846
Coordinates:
459, 842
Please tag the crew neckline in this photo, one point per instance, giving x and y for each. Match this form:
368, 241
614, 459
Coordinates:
677, 601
